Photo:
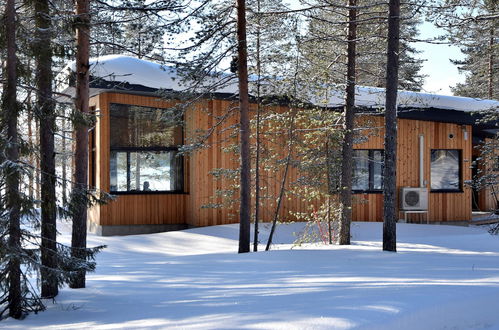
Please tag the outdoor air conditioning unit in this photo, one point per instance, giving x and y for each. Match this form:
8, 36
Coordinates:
413, 199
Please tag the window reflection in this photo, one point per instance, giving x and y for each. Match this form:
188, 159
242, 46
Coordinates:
445, 170
144, 150
367, 170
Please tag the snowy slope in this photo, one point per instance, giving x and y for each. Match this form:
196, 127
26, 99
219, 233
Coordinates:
442, 277
141, 72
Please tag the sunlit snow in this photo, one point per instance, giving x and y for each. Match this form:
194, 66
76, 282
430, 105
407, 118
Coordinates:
442, 277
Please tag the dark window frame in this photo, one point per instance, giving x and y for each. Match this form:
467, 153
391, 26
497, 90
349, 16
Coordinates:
92, 177
130, 150
460, 171
495, 165
371, 189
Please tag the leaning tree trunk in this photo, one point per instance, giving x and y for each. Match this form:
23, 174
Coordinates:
245, 174
46, 110
347, 150
12, 178
390, 164
79, 200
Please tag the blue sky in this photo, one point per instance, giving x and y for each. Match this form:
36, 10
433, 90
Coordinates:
440, 71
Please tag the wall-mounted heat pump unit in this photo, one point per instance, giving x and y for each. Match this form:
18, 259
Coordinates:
413, 199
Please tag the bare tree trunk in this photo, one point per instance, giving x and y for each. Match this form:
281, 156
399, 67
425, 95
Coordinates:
64, 164
491, 64
12, 178
245, 174
37, 161
46, 106
79, 234
347, 150
390, 164
31, 179
257, 151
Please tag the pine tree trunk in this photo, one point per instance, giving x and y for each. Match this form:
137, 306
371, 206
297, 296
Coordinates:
347, 150
491, 64
79, 234
64, 164
31, 179
12, 175
390, 164
245, 174
46, 107
257, 133
37, 161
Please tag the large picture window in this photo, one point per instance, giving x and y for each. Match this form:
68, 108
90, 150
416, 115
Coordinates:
367, 170
445, 170
144, 150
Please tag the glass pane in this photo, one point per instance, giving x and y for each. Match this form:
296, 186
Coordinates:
118, 166
377, 165
360, 179
151, 170
136, 126
147, 171
445, 169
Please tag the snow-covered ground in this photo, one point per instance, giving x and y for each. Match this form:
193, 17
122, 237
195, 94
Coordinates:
442, 277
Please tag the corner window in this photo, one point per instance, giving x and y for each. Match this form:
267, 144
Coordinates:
445, 170
367, 170
144, 150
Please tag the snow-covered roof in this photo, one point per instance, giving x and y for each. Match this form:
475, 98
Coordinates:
121, 68
375, 97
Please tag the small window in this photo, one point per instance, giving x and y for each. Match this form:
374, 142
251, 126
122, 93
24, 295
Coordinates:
367, 170
495, 166
446, 170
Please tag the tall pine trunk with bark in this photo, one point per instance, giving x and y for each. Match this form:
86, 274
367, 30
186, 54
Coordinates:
257, 129
491, 61
347, 148
79, 199
390, 163
46, 112
10, 113
245, 174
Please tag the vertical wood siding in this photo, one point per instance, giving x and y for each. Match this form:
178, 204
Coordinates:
486, 200
130, 209
193, 207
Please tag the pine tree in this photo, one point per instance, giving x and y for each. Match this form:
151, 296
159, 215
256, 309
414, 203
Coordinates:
80, 188
390, 161
10, 173
326, 28
474, 29
244, 127
349, 122
134, 27
46, 114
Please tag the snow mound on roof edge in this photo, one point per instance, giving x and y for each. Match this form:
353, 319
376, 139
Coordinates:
136, 71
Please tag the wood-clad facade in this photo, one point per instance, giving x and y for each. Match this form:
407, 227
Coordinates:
487, 163
443, 206
191, 206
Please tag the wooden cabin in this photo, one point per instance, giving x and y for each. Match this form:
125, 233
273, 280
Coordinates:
134, 154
